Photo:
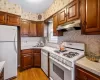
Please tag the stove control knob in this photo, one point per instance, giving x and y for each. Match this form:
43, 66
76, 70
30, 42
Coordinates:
63, 61
66, 62
60, 59
54, 56
57, 57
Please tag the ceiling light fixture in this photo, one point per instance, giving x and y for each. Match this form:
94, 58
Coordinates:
36, 1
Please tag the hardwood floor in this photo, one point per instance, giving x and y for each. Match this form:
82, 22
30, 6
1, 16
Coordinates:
31, 74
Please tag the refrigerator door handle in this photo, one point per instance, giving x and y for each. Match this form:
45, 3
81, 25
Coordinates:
15, 43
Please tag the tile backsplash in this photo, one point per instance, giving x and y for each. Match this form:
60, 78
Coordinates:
30, 41
92, 42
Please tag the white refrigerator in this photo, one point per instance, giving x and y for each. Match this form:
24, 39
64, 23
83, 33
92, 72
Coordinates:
8, 50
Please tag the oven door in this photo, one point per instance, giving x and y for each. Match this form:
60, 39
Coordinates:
59, 71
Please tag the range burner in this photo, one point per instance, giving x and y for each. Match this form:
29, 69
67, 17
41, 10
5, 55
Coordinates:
70, 54
59, 51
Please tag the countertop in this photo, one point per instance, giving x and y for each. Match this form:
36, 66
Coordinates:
2, 65
88, 65
29, 47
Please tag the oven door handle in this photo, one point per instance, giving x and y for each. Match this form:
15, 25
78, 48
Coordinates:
67, 67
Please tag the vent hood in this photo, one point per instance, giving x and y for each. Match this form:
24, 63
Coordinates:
70, 26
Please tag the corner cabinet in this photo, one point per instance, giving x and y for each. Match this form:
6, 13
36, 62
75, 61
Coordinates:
26, 59
30, 58
73, 10
82, 74
90, 16
55, 25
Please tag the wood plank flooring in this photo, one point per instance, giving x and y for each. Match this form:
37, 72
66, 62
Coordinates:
31, 74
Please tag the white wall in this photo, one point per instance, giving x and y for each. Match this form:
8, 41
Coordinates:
30, 41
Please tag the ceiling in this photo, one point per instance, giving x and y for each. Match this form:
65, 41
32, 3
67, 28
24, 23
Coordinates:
35, 6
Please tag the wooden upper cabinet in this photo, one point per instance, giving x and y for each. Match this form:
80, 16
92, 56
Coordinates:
32, 31
13, 20
73, 10
62, 16
55, 25
90, 16
3, 16
40, 29
25, 24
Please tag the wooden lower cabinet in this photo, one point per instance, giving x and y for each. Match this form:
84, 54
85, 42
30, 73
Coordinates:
37, 57
76, 79
81, 74
30, 58
2, 75
27, 61
37, 60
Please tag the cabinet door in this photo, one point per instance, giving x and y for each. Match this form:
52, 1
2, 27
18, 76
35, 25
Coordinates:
27, 60
73, 10
25, 27
2, 75
55, 25
40, 29
62, 16
32, 31
2, 18
90, 16
13, 20
37, 59
82, 74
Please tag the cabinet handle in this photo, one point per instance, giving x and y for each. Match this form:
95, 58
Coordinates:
84, 23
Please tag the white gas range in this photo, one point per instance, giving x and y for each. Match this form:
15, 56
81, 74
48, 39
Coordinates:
62, 63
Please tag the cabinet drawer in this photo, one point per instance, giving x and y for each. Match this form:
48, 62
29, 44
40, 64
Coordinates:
82, 74
26, 51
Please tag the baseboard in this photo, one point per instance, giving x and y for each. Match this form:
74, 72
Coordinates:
12, 78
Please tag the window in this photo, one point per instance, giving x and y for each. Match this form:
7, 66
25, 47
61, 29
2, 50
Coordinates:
52, 38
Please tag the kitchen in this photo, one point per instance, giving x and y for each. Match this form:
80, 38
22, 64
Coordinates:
56, 41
